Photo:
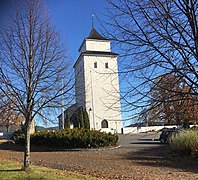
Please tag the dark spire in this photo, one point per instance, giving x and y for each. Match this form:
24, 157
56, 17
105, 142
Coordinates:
95, 35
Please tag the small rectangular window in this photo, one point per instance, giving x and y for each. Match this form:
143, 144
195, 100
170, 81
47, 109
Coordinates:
95, 65
106, 65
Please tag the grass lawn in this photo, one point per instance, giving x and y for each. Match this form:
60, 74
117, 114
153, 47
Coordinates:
12, 170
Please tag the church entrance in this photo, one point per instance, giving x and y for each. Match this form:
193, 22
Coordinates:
104, 124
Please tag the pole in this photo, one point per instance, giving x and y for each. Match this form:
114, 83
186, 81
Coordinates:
92, 21
116, 127
92, 100
63, 117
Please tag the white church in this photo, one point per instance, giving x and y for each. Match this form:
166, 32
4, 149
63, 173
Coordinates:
97, 84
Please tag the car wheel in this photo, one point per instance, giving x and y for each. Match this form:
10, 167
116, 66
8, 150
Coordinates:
162, 140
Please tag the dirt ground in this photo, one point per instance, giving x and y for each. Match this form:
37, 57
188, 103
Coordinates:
149, 163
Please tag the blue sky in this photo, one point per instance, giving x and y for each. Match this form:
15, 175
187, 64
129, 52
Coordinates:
73, 18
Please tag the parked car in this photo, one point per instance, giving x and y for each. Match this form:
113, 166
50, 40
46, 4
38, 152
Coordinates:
166, 134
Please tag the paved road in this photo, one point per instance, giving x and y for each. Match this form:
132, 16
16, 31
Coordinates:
144, 139
137, 142
139, 157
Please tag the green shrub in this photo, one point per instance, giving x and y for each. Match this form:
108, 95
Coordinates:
185, 143
18, 137
70, 138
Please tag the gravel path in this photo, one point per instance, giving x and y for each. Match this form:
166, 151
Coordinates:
135, 160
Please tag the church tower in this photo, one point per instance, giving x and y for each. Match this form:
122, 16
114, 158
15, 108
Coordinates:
96, 83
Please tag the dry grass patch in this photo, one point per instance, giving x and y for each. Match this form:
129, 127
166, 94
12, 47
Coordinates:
12, 170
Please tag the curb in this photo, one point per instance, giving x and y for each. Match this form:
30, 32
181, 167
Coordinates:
98, 149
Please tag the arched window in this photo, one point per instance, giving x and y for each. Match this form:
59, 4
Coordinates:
104, 124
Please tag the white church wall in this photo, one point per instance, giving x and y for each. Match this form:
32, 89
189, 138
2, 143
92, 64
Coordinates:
83, 48
101, 87
97, 88
99, 45
79, 83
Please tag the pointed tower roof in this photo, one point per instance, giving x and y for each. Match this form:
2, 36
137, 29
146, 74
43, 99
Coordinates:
95, 45
95, 35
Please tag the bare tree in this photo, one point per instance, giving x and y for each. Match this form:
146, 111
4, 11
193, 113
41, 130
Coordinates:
33, 64
156, 37
8, 113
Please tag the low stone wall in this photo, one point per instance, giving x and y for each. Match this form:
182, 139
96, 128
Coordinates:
146, 129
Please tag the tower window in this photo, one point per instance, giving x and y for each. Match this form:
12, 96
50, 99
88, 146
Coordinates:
106, 65
95, 64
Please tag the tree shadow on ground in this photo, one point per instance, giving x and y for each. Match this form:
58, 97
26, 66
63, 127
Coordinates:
145, 142
148, 140
10, 170
11, 146
162, 156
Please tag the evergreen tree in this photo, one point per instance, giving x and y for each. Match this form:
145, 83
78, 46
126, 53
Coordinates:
67, 120
75, 119
86, 120
81, 118
186, 124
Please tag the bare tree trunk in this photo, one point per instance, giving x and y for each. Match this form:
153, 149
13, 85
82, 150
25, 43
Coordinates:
27, 148
7, 129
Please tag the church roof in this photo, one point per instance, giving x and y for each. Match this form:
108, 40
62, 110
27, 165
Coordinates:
95, 35
102, 53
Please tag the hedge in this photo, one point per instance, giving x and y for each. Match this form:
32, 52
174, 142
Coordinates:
185, 143
69, 138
